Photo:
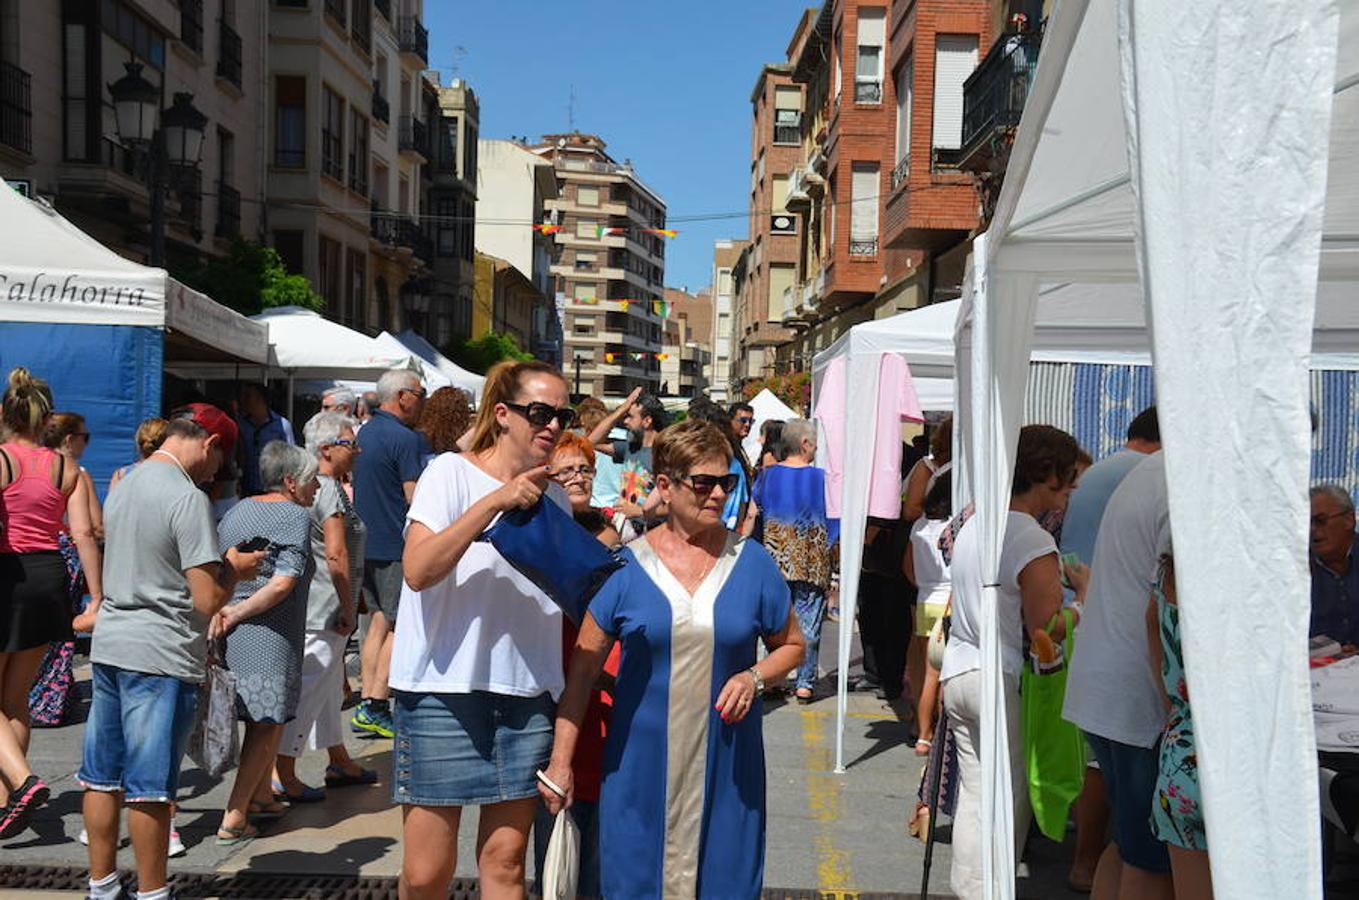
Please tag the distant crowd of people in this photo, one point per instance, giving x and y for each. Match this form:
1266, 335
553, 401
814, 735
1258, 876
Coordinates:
226, 542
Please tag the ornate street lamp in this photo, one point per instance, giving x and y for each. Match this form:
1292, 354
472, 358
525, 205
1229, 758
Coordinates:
171, 138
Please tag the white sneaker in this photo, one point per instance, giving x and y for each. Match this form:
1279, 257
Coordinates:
84, 837
177, 847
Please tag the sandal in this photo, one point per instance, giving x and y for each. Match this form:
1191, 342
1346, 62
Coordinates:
270, 811
923, 743
230, 837
309, 794
337, 777
803, 698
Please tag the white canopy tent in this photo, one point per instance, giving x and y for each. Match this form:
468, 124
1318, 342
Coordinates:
55, 273
1233, 184
767, 406
459, 377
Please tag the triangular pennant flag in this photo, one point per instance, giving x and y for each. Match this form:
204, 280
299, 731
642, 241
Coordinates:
639, 356
608, 357
662, 355
663, 232
588, 301
623, 305
601, 230
546, 228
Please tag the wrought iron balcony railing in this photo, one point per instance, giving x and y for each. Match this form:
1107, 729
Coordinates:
413, 37
16, 107
229, 55
994, 95
228, 211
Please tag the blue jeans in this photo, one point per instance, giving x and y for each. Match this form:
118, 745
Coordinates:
809, 604
136, 733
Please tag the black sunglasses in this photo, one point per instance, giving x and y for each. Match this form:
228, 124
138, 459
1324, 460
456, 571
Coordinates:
704, 484
539, 415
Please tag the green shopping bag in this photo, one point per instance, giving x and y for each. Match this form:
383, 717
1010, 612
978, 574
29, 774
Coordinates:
1054, 750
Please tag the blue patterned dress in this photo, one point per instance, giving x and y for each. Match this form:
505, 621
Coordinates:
1177, 808
682, 810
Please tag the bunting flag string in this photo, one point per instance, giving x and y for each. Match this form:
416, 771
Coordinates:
663, 232
546, 228
602, 230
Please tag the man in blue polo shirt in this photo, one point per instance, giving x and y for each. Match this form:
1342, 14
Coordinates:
258, 426
1335, 577
389, 464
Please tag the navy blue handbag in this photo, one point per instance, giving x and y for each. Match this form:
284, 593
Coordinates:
546, 546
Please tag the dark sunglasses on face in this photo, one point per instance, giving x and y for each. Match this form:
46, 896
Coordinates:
540, 414
745, 420
704, 484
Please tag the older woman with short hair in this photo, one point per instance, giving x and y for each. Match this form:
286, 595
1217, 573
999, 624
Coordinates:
682, 808
264, 624
337, 542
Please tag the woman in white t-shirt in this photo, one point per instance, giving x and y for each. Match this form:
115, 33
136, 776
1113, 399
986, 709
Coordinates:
1029, 594
477, 659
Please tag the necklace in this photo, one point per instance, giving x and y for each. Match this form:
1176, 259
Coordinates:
174, 459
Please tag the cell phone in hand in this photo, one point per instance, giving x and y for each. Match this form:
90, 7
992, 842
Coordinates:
254, 545
1067, 561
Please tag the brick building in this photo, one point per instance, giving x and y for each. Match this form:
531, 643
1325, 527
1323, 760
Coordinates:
884, 212
769, 270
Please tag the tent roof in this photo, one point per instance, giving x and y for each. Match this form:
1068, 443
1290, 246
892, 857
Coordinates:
456, 374
1069, 182
311, 346
51, 271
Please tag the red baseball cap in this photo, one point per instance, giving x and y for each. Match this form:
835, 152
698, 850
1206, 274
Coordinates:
213, 421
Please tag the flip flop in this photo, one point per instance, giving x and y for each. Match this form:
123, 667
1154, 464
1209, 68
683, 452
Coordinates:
337, 777
230, 837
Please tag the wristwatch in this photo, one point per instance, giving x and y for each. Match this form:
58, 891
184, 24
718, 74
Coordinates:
759, 681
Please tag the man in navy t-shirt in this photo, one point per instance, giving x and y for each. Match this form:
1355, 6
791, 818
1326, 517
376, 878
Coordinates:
389, 464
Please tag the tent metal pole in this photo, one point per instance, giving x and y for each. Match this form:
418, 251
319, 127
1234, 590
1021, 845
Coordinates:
290, 396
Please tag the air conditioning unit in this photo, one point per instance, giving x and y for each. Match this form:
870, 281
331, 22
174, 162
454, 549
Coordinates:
797, 189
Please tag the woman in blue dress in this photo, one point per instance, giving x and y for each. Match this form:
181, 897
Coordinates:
682, 811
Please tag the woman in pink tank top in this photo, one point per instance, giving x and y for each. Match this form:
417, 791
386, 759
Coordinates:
38, 489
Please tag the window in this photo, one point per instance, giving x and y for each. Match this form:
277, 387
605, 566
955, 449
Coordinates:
356, 307
469, 154
361, 24
332, 134
226, 156
358, 152
331, 274
837, 71
724, 281
587, 196
289, 246
290, 122
586, 228
787, 115
134, 32
583, 291
955, 56
585, 261
759, 167
781, 277
863, 213
191, 24
868, 67
905, 88
445, 227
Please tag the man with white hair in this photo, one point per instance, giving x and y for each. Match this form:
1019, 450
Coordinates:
1335, 577
389, 464
339, 400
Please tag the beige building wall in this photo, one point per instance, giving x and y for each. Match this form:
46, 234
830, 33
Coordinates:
64, 142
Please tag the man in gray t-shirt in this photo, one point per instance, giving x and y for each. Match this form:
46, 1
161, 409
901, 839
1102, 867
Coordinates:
165, 580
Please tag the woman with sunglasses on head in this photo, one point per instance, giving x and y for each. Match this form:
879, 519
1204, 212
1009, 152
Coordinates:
477, 660
682, 806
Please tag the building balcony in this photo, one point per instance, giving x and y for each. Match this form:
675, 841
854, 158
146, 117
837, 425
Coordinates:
413, 38
413, 136
384, 7
229, 54
228, 212
336, 10
994, 97
398, 232
16, 108
382, 110
863, 247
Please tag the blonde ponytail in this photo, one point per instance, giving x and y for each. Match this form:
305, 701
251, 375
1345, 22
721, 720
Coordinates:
27, 404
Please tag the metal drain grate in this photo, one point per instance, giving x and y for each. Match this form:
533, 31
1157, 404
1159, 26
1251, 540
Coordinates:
266, 886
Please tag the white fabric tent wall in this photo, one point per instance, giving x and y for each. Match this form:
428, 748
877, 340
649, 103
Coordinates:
459, 377
767, 406
1229, 107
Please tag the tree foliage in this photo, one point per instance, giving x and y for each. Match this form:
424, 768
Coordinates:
793, 388
249, 279
479, 354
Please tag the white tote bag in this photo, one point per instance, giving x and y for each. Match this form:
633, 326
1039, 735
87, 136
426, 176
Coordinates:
561, 865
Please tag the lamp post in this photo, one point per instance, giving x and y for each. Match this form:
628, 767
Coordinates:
577, 361
172, 138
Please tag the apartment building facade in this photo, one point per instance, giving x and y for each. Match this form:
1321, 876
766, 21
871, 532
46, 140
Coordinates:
726, 255
609, 265
449, 178
514, 186
769, 269
59, 138
346, 146
685, 360
884, 210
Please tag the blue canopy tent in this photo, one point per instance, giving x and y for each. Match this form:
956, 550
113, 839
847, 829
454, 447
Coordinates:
100, 328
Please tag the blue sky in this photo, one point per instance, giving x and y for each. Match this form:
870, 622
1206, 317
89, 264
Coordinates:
667, 85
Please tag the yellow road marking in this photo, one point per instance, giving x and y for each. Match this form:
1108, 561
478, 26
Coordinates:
833, 870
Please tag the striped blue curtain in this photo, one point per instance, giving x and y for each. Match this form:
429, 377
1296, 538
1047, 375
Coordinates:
1096, 402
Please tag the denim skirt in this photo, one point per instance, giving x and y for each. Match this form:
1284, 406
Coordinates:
469, 749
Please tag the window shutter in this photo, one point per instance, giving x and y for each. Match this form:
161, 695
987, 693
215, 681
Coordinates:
863, 224
955, 56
